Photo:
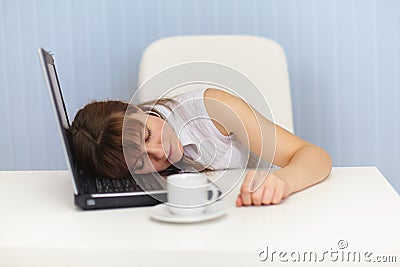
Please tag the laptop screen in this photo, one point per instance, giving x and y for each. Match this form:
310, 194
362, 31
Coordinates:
61, 110
56, 98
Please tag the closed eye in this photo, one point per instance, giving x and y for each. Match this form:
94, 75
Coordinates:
148, 135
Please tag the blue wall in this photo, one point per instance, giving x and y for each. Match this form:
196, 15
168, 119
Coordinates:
343, 57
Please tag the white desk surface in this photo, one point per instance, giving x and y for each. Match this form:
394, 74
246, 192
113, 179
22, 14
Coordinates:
40, 226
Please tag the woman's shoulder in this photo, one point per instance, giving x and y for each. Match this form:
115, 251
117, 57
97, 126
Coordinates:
196, 93
204, 93
198, 104
221, 96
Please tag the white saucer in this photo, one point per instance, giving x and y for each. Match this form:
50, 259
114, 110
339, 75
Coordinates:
161, 212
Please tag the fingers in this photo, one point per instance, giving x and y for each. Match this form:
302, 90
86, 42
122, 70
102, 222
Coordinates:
278, 195
272, 191
239, 202
244, 190
257, 179
268, 195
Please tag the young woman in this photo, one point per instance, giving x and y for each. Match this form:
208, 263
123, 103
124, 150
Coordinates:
205, 129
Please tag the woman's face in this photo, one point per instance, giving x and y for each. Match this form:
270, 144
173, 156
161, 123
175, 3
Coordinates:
160, 147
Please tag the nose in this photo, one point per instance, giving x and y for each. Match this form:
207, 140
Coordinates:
155, 151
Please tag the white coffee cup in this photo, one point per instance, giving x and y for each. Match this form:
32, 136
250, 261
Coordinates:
188, 193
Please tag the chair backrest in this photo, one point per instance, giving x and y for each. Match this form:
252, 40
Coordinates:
262, 60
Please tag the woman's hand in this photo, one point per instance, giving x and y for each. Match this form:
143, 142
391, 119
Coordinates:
272, 190
303, 164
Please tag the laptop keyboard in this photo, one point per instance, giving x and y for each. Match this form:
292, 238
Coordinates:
104, 185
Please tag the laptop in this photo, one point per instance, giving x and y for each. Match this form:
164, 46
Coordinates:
98, 192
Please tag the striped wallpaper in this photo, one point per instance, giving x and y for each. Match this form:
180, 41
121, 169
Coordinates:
343, 57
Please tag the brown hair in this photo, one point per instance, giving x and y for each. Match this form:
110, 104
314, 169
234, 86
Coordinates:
96, 135
97, 142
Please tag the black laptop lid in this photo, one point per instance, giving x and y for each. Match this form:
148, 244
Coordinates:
56, 98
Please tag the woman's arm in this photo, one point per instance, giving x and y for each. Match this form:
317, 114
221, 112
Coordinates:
303, 164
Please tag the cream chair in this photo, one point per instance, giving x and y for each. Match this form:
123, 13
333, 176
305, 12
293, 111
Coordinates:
261, 60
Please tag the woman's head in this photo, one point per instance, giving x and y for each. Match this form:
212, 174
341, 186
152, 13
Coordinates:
109, 136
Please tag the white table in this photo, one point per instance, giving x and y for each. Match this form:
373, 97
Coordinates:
40, 226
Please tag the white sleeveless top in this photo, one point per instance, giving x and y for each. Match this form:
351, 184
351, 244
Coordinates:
201, 140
